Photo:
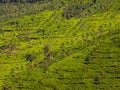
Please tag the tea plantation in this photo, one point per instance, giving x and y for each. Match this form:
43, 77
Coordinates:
60, 45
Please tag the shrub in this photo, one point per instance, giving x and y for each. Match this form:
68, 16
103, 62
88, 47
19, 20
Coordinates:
30, 57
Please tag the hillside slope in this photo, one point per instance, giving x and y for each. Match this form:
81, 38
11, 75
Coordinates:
71, 46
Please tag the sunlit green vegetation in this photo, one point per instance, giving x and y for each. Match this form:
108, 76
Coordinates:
60, 45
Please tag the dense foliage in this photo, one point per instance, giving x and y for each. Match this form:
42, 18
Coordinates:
21, 1
60, 45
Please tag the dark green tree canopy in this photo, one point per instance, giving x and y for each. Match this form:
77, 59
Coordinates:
22, 1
